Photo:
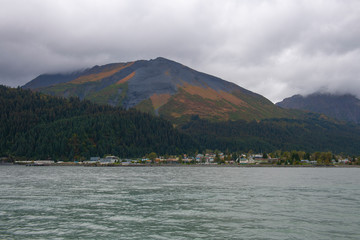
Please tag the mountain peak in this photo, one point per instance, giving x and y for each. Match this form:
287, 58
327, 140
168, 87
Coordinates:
162, 59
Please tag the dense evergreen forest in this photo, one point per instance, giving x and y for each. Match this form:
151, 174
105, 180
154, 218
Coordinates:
37, 126
311, 133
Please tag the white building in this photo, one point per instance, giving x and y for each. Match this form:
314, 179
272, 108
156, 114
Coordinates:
109, 159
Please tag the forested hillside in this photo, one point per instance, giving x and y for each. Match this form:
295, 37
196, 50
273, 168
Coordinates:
312, 133
38, 126
34, 125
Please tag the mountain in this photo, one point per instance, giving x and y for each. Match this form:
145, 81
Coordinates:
341, 107
38, 126
161, 87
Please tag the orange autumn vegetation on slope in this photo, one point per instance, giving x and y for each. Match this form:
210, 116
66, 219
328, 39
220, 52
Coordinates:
159, 100
204, 110
212, 94
127, 78
98, 76
203, 107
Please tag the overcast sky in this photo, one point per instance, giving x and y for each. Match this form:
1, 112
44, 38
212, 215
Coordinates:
275, 48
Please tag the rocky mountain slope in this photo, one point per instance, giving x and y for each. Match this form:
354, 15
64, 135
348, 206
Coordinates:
162, 87
341, 107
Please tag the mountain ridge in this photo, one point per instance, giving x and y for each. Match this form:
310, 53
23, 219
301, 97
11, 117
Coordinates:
344, 107
161, 87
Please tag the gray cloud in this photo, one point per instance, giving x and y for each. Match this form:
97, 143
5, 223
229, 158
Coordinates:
275, 48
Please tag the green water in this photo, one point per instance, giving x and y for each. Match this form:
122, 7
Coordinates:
179, 203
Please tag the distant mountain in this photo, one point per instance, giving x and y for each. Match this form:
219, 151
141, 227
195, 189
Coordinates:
341, 107
161, 87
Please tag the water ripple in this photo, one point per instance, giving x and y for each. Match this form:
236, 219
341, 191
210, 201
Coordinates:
178, 203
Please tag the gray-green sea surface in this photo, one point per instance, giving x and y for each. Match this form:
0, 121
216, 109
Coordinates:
179, 203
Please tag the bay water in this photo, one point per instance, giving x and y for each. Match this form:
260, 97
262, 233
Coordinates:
179, 203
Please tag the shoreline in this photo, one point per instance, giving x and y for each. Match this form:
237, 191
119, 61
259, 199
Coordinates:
185, 165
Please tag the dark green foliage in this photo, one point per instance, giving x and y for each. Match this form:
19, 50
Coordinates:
309, 134
34, 125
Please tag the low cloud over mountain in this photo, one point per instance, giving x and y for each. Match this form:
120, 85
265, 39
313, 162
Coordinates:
275, 48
